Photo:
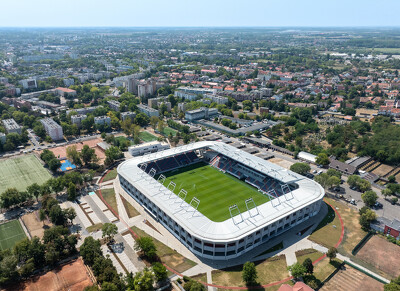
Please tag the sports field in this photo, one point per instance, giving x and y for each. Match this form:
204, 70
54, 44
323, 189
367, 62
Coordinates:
10, 233
215, 190
21, 172
146, 136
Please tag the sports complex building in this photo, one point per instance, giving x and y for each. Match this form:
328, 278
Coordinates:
219, 201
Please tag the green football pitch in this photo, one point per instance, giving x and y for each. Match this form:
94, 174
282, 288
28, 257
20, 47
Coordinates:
147, 136
21, 172
10, 233
215, 190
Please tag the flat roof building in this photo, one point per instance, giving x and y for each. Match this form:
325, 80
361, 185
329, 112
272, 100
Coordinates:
102, 120
128, 114
53, 129
12, 126
148, 110
201, 113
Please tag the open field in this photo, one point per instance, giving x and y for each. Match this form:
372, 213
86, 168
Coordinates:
34, 225
168, 130
11, 232
271, 270
21, 172
72, 277
167, 255
382, 254
146, 136
281, 162
109, 196
350, 279
215, 190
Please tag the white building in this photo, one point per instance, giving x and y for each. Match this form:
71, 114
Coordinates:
128, 114
102, 120
150, 147
148, 110
53, 129
12, 126
114, 105
201, 113
68, 82
28, 83
217, 99
243, 231
77, 119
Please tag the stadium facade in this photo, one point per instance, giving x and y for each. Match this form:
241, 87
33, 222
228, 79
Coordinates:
294, 198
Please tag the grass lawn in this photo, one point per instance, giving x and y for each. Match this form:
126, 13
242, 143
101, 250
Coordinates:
111, 175
130, 210
353, 233
94, 227
10, 233
271, 270
215, 190
146, 136
167, 255
328, 231
322, 269
109, 196
22, 172
200, 277
123, 138
168, 130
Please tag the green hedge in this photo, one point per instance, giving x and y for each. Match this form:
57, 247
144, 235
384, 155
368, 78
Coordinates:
365, 272
362, 242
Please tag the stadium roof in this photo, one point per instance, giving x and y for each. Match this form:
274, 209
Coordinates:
231, 229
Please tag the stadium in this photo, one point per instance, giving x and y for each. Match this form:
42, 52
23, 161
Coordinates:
219, 201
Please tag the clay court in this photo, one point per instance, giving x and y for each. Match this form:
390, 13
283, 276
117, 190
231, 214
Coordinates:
71, 277
281, 162
382, 170
61, 152
350, 279
382, 254
34, 225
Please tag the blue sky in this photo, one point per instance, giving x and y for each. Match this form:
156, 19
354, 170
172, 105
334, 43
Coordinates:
62, 13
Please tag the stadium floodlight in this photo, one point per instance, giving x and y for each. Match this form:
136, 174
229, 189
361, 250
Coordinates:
272, 193
152, 172
182, 194
171, 187
161, 179
143, 167
195, 204
250, 204
234, 211
286, 190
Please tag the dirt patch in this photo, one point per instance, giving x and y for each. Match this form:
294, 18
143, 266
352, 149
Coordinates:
72, 276
34, 225
382, 254
61, 152
280, 162
350, 279
382, 170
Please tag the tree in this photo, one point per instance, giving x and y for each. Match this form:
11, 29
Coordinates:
369, 198
308, 265
90, 250
154, 121
322, 159
300, 168
34, 190
249, 273
387, 192
9, 198
331, 254
392, 179
42, 215
88, 155
147, 246
160, 271
143, 281
73, 155
54, 165
109, 231
297, 270
333, 172
69, 214
113, 153
367, 216
71, 191
353, 180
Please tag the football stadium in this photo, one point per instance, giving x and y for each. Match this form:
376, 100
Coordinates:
219, 201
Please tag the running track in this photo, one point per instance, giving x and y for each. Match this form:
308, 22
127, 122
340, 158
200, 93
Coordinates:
135, 235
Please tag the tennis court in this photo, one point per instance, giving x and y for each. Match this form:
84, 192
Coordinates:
10, 233
21, 172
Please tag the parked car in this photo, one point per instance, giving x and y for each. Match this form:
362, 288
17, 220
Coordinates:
378, 205
353, 202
